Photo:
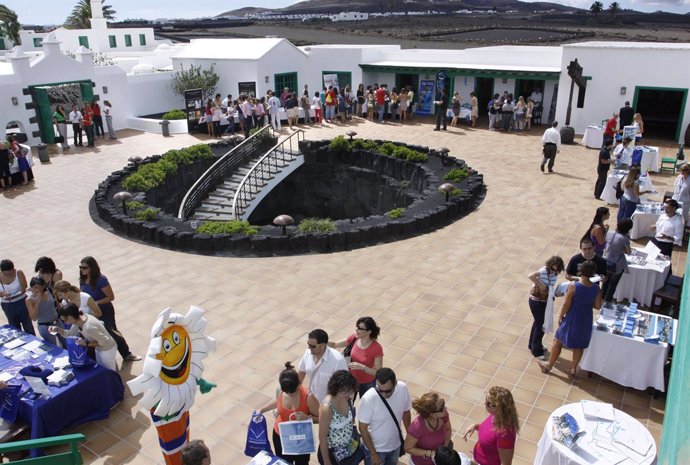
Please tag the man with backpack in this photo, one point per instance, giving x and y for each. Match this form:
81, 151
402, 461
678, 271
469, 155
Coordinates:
493, 112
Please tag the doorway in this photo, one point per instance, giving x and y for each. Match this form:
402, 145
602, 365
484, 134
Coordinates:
661, 110
47, 97
484, 88
525, 87
404, 80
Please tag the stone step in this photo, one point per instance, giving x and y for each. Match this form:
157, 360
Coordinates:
201, 216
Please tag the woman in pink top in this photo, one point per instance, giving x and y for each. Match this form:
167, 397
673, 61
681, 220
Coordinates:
429, 429
496, 434
365, 352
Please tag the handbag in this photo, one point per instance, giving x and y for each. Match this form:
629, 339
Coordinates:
538, 293
257, 436
78, 355
352, 455
347, 352
58, 138
297, 437
395, 420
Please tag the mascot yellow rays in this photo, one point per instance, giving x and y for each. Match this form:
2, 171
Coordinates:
172, 370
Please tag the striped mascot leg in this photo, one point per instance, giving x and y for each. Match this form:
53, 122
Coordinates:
173, 434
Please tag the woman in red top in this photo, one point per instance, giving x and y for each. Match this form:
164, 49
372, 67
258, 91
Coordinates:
209, 117
366, 354
87, 122
497, 433
97, 119
429, 429
293, 402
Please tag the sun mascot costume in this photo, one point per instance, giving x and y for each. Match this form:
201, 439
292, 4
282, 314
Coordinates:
172, 370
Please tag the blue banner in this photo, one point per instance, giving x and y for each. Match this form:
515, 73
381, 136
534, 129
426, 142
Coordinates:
426, 96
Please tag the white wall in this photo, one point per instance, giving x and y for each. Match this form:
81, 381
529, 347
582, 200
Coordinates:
500, 86
656, 65
464, 85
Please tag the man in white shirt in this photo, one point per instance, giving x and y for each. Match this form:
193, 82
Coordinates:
227, 101
381, 434
536, 97
273, 110
75, 118
623, 152
248, 112
669, 228
551, 140
681, 190
319, 362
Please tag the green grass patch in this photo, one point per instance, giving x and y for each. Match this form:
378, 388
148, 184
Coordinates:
395, 213
317, 225
227, 227
147, 214
456, 175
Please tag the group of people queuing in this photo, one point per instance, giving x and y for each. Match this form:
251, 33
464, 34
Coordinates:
87, 119
510, 114
12, 152
324, 386
61, 309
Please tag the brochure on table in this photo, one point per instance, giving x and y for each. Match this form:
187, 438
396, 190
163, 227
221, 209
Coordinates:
628, 321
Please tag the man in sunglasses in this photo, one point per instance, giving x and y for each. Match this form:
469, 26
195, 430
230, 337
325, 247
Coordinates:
379, 415
320, 362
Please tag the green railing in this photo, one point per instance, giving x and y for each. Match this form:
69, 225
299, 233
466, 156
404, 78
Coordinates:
71, 457
675, 436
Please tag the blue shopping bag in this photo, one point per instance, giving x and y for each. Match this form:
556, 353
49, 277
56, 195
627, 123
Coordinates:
10, 402
257, 436
78, 355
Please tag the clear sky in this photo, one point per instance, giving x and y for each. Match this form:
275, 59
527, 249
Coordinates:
56, 11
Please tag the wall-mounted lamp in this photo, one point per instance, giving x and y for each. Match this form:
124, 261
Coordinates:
623, 90
505, 81
266, 79
105, 89
15, 101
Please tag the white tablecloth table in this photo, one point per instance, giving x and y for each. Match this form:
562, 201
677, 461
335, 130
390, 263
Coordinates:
628, 361
643, 222
225, 119
465, 113
588, 450
650, 159
593, 136
640, 284
609, 192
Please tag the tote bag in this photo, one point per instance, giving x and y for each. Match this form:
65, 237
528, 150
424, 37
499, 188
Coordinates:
78, 355
10, 402
297, 437
257, 436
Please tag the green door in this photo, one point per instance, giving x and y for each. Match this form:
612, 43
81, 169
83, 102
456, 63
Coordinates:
45, 117
86, 91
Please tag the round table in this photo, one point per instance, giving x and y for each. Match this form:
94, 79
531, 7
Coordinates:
593, 136
592, 448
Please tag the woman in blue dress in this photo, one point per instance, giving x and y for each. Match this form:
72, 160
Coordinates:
575, 320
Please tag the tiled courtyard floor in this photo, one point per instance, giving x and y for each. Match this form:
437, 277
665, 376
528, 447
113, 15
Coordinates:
452, 304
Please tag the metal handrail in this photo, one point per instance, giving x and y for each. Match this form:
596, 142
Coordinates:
243, 194
218, 171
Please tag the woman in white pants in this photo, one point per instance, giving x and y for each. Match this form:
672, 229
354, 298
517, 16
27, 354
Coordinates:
108, 112
60, 120
91, 333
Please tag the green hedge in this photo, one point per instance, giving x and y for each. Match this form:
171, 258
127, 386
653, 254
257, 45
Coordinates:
174, 114
151, 175
227, 227
317, 225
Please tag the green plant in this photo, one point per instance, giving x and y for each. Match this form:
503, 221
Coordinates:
135, 205
395, 213
174, 114
148, 214
455, 192
388, 148
195, 78
317, 225
339, 144
263, 137
227, 227
456, 175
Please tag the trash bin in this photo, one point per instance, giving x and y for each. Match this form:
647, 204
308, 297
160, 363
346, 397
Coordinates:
165, 124
43, 153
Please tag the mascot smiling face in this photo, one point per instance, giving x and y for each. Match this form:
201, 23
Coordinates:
175, 355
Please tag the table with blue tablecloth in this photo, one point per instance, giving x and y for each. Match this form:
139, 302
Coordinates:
88, 397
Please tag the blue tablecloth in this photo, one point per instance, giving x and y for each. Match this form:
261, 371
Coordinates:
90, 396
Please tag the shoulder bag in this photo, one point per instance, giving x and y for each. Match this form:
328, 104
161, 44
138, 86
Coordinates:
397, 423
538, 293
58, 138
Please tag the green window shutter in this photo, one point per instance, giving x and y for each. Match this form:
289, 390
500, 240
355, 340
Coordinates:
128, 40
84, 41
113, 41
86, 91
2, 44
142, 39
45, 116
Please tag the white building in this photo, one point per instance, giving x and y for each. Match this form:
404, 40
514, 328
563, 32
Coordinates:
350, 16
653, 77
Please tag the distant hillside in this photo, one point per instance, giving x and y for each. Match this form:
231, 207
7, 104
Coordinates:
382, 6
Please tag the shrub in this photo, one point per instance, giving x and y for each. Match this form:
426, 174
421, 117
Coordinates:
365, 144
395, 213
456, 175
227, 227
150, 175
148, 214
455, 192
174, 114
263, 137
416, 157
339, 144
135, 205
317, 225
388, 148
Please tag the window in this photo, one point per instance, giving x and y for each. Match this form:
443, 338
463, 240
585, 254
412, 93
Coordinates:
142, 39
344, 78
84, 41
128, 40
283, 80
38, 42
113, 41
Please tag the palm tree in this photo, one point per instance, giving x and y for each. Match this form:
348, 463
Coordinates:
81, 15
9, 24
614, 7
596, 8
